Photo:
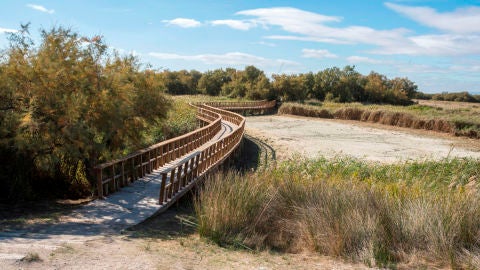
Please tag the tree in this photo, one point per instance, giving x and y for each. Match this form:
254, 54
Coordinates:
68, 105
289, 87
376, 87
212, 81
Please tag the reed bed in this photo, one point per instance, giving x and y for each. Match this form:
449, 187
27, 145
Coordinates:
414, 214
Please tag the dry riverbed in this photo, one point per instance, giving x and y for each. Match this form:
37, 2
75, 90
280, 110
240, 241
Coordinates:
312, 137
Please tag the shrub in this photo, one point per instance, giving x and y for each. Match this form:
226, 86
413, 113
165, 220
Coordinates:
66, 105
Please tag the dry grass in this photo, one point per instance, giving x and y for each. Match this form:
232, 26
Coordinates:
464, 121
412, 214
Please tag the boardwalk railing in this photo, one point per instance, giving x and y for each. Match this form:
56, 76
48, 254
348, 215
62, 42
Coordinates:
254, 105
118, 173
178, 178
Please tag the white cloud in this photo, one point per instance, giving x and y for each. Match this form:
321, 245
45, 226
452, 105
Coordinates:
231, 59
266, 44
40, 8
311, 26
307, 26
7, 30
235, 24
320, 54
435, 45
460, 68
462, 20
183, 22
362, 59
290, 18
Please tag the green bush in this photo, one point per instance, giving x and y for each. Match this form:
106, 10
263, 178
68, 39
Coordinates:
66, 105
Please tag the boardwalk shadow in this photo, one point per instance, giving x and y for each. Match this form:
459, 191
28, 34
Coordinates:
255, 154
178, 221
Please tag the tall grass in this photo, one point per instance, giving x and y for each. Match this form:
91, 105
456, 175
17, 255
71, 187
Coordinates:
414, 214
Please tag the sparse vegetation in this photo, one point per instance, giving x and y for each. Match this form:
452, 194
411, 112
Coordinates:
417, 213
31, 257
445, 96
458, 121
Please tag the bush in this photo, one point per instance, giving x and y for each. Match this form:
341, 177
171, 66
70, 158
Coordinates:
66, 105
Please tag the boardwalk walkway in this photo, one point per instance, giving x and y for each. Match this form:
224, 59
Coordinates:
129, 206
134, 202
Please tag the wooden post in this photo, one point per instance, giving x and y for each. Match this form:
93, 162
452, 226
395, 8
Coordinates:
185, 174
172, 181
134, 171
192, 164
141, 165
179, 178
197, 160
124, 179
98, 172
162, 157
115, 184
161, 198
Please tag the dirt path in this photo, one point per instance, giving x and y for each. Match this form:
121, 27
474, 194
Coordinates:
312, 137
168, 241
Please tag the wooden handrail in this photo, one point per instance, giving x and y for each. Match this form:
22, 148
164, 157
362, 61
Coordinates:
117, 173
263, 104
185, 174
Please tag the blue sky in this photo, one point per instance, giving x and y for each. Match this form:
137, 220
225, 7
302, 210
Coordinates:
434, 43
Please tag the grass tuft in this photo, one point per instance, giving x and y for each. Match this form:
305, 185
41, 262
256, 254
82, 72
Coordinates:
415, 213
32, 257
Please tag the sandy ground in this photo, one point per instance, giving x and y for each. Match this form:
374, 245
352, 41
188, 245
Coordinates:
312, 137
163, 242
179, 253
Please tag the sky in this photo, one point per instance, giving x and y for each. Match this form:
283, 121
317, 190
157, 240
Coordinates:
436, 44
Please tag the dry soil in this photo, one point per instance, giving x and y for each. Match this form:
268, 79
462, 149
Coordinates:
312, 137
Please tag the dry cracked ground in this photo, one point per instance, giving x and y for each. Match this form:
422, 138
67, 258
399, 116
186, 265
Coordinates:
169, 241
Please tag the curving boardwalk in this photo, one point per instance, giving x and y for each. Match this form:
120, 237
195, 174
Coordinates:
138, 186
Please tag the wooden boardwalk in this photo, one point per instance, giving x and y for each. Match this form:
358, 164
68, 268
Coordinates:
181, 162
138, 186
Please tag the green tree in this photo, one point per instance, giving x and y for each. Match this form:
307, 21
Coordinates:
212, 81
67, 105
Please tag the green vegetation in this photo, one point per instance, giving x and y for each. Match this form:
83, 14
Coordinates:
420, 213
331, 84
66, 105
458, 121
445, 96
32, 257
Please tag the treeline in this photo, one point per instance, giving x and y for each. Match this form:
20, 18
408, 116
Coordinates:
331, 84
65, 106
68, 103
446, 96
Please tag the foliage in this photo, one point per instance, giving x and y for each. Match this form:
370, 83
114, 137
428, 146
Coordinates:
211, 82
446, 96
331, 84
181, 82
420, 213
66, 105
